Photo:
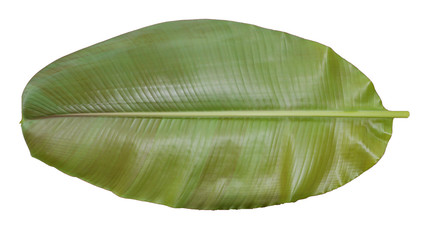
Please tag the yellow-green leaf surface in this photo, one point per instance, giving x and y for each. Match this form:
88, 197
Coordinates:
207, 114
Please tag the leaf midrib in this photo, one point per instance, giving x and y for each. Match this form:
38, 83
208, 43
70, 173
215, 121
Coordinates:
243, 114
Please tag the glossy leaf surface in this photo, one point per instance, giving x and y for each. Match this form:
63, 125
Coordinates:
206, 114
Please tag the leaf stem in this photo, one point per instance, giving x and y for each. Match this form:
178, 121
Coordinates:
245, 114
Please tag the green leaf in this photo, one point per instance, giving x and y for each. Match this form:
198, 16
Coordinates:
207, 114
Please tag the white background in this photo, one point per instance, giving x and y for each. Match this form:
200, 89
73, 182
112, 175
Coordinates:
386, 40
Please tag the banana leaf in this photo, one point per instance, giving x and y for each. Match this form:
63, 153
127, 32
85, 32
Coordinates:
207, 114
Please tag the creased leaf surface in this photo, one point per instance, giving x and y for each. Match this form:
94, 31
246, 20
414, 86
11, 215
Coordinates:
205, 163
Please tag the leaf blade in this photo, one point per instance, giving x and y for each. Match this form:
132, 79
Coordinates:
331, 127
